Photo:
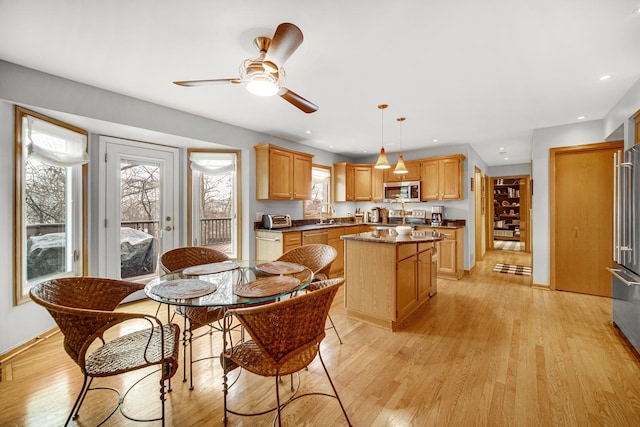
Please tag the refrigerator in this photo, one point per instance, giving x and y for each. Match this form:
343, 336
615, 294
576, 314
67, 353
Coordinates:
626, 245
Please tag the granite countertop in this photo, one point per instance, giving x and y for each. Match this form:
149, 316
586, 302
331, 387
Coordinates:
391, 236
315, 226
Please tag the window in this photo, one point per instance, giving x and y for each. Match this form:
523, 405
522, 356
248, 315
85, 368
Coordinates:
213, 217
50, 158
320, 202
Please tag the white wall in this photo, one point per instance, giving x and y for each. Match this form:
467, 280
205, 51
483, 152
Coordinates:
543, 139
100, 111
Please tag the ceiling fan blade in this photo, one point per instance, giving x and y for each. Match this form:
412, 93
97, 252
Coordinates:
297, 101
207, 82
285, 41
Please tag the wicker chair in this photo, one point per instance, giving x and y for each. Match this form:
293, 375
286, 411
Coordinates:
318, 258
285, 338
176, 260
83, 308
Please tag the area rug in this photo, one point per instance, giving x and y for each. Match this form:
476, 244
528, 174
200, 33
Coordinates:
506, 245
520, 270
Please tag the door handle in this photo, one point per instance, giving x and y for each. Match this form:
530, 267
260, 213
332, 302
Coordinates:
168, 228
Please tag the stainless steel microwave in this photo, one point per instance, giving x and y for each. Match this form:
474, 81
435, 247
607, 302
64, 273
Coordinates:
407, 191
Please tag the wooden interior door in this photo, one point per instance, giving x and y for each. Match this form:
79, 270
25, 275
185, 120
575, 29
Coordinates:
582, 218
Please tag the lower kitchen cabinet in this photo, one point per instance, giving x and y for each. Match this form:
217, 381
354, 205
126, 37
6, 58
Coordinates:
450, 252
337, 267
386, 282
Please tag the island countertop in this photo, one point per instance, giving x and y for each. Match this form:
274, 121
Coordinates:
392, 237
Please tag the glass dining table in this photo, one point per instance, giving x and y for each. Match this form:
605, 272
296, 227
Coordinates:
228, 285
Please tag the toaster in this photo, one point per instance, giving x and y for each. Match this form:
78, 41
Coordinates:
276, 221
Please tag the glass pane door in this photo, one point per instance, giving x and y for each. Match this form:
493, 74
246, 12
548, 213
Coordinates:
140, 204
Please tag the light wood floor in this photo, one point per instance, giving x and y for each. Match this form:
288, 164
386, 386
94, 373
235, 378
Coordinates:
486, 350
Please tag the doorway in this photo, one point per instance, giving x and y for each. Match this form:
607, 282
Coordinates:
511, 201
581, 223
138, 207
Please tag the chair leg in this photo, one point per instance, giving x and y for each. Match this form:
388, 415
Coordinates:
278, 402
76, 406
184, 350
334, 328
335, 392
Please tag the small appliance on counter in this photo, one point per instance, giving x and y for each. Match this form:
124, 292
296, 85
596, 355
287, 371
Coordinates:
374, 216
437, 213
276, 221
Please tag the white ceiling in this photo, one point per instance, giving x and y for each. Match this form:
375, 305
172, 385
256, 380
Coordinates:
484, 73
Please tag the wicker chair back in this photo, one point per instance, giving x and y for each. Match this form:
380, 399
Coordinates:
189, 256
317, 257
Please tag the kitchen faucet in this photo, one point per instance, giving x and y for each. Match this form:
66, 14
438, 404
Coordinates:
326, 207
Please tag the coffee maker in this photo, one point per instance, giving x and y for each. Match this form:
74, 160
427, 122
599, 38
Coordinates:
437, 213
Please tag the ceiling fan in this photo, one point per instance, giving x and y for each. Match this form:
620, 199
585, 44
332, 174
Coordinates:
264, 75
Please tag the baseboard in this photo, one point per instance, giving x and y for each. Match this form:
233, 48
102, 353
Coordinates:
4, 357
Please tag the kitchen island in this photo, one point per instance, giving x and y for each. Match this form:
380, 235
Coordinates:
388, 276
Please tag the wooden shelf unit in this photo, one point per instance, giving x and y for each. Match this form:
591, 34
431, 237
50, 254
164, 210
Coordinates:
506, 206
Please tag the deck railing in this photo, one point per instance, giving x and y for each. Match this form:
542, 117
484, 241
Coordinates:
212, 230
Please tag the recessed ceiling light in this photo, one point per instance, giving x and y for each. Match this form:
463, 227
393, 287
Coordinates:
605, 77
636, 10
435, 140
331, 146
582, 117
307, 131
501, 148
506, 158
365, 151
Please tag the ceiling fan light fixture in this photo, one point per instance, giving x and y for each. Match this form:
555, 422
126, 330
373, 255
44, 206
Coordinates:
262, 87
382, 162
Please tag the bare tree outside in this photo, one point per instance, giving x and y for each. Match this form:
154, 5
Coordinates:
140, 195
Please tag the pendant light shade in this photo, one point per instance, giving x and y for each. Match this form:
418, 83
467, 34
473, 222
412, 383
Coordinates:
400, 166
382, 162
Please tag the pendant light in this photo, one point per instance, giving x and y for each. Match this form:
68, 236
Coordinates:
382, 162
400, 166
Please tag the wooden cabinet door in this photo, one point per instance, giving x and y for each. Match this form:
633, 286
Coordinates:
430, 180
340, 182
335, 242
377, 184
447, 257
361, 183
415, 171
406, 292
450, 179
280, 174
424, 275
302, 177
413, 174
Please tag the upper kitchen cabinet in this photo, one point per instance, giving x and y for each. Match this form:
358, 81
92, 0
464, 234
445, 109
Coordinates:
377, 184
352, 182
282, 174
442, 178
413, 166
636, 118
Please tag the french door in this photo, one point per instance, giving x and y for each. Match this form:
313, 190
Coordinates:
139, 207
